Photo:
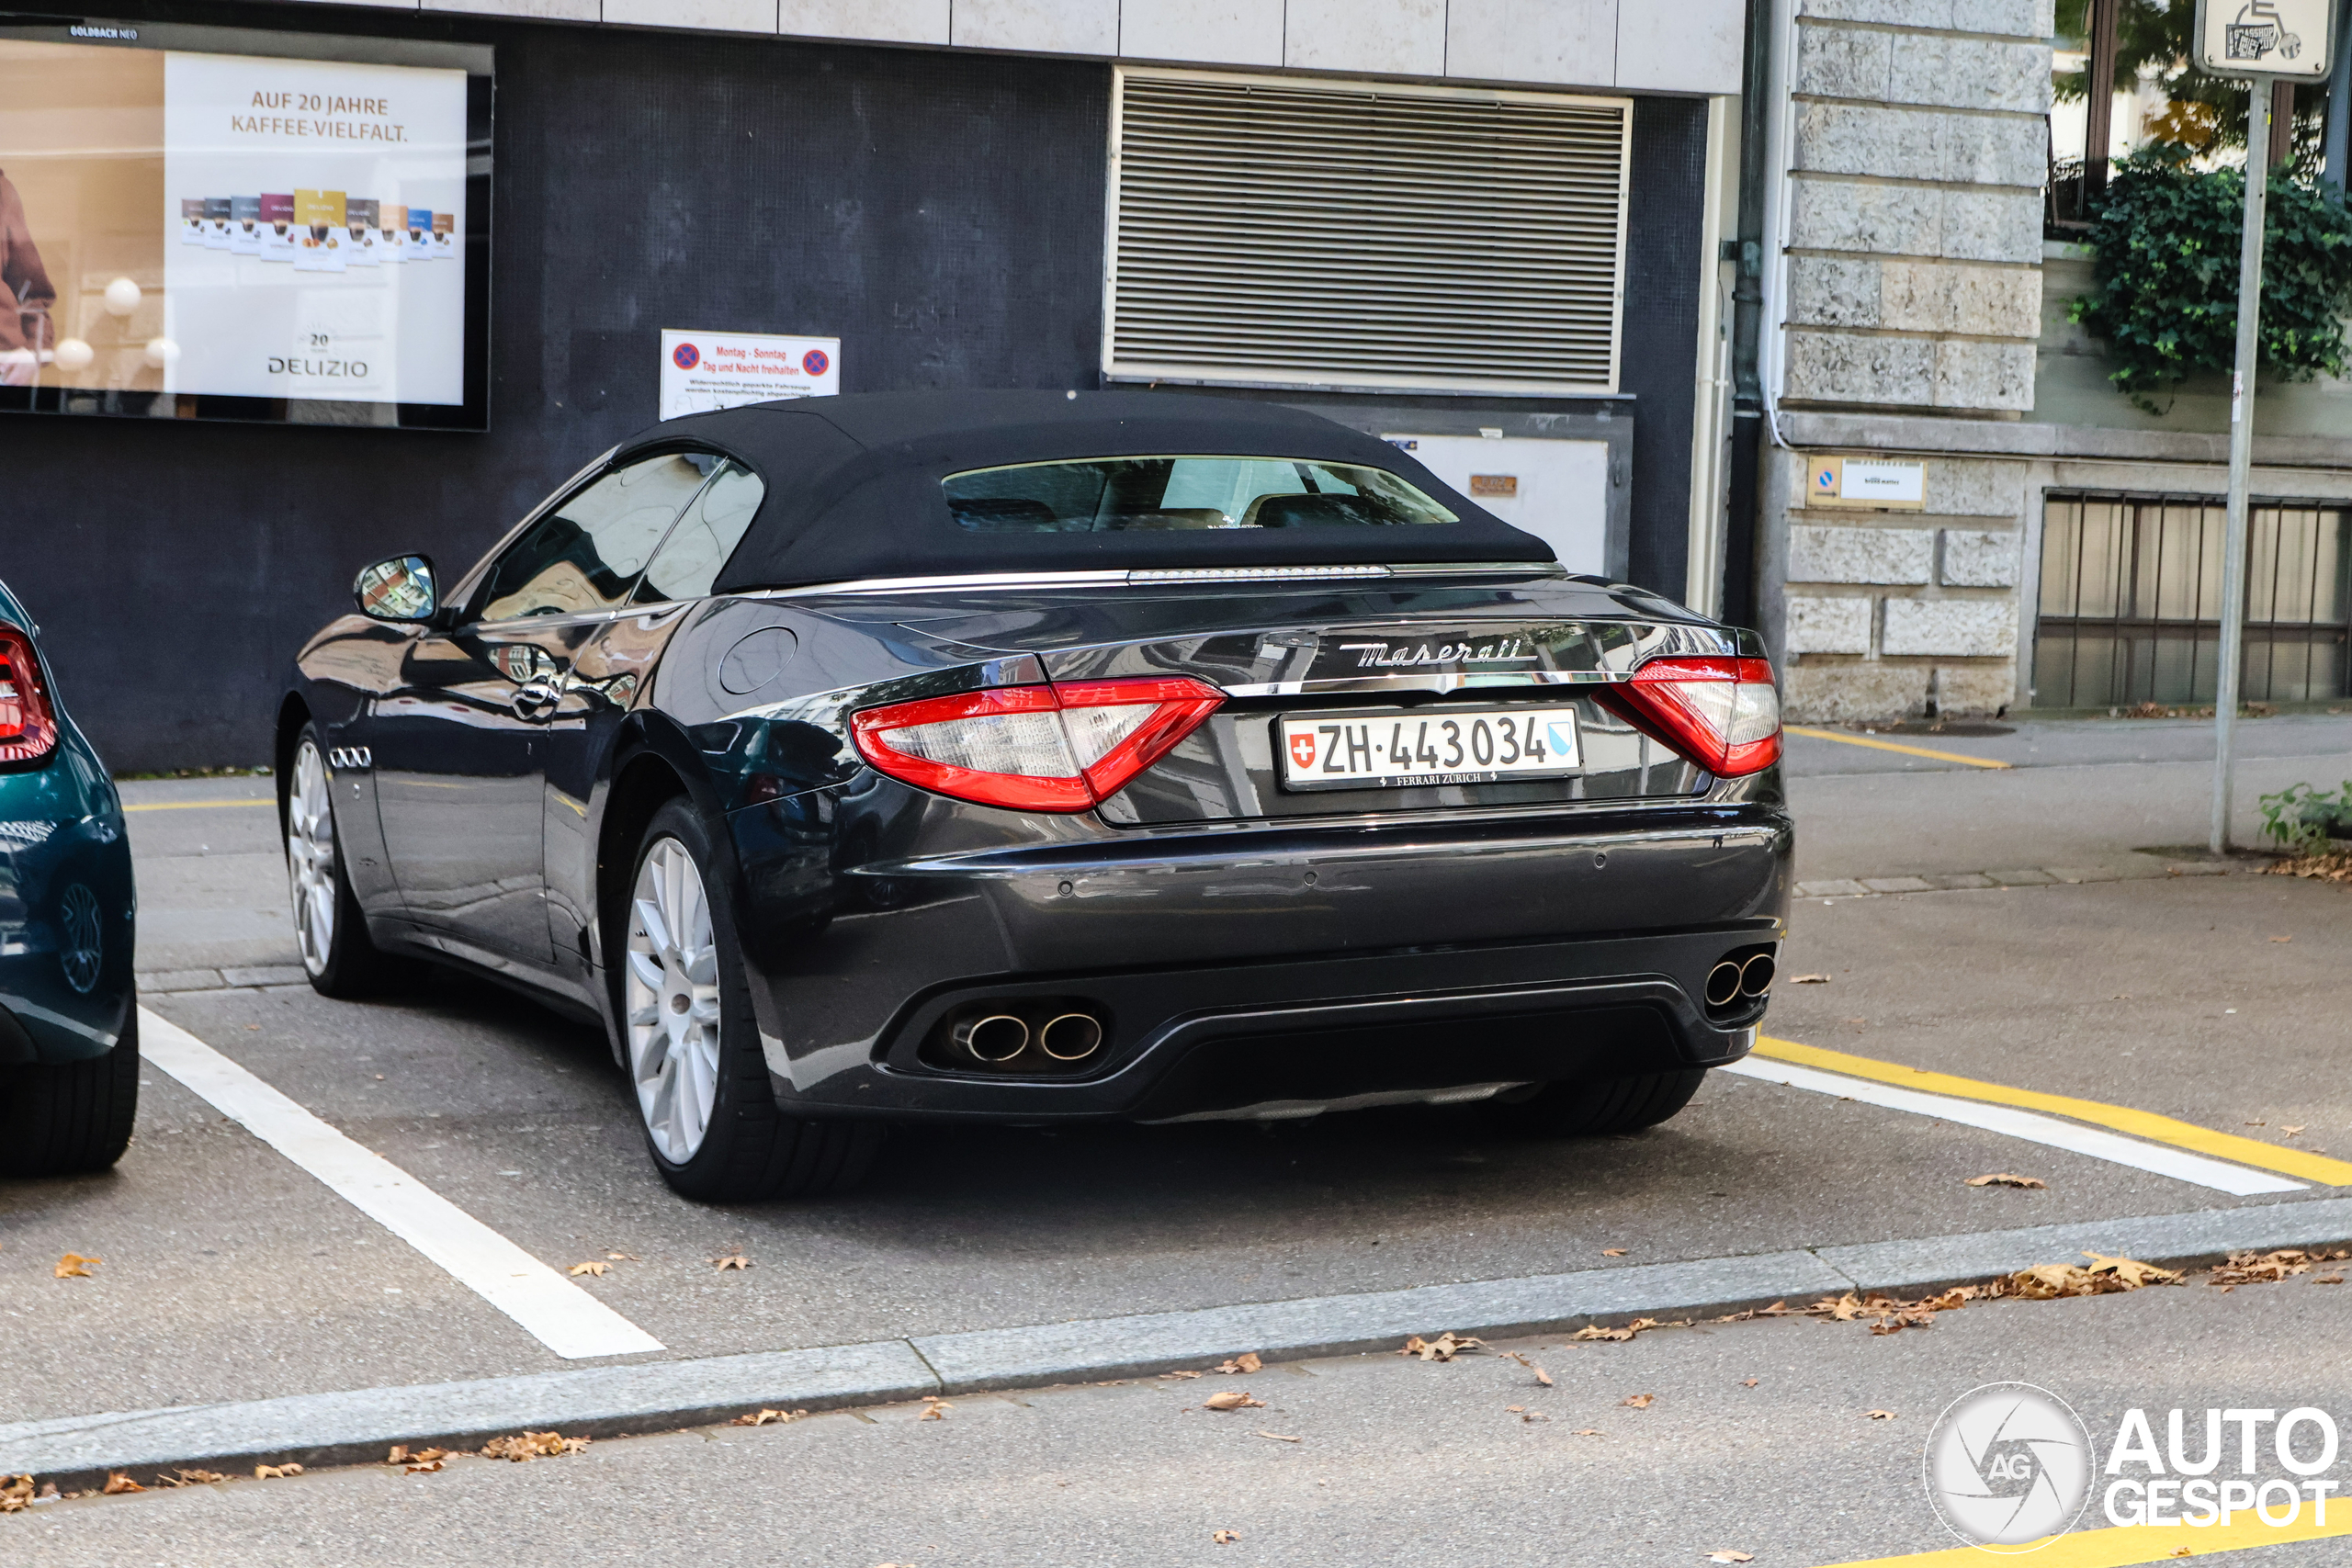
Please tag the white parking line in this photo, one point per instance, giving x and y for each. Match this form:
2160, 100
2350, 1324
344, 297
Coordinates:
2178, 1163
562, 1317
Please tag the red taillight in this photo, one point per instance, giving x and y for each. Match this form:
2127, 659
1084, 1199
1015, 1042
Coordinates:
1061, 747
28, 723
1722, 713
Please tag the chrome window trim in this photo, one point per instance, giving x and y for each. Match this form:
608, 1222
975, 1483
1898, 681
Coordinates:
1153, 577
1431, 681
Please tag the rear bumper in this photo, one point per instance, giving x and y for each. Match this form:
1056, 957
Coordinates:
1238, 970
48, 1017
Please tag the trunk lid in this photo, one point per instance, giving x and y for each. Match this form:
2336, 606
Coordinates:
1387, 660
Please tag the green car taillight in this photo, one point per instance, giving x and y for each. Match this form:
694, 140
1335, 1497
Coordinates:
27, 721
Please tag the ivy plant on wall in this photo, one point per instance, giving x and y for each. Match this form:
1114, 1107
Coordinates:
2164, 297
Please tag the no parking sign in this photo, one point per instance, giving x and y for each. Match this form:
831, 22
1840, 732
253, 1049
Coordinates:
702, 371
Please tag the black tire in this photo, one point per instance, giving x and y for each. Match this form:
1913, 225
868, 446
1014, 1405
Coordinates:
1596, 1107
351, 964
71, 1118
751, 1149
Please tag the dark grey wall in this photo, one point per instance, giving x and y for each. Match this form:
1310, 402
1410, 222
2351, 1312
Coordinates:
1664, 226
941, 214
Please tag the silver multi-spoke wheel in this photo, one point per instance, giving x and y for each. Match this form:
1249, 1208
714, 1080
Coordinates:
309, 858
671, 1001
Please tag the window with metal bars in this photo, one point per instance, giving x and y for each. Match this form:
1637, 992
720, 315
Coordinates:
1286, 231
2131, 601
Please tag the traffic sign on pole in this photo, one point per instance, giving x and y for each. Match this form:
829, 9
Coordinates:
2261, 41
2294, 39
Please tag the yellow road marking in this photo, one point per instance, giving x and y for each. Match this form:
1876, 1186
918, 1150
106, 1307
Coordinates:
1891, 746
2116, 1548
2122, 1119
195, 804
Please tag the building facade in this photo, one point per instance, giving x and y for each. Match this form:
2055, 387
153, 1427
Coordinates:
1491, 229
2058, 547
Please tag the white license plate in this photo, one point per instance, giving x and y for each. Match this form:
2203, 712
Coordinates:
1455, 746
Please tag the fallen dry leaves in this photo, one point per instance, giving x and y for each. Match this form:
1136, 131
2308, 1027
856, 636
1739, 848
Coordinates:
1593, 1331
2006, 1179
1225, 1538
579, 1269
190, 1478
2270, 1267
1808, 980
1589, 1432
1612, 1252
1245, 1362
16, 1494
934, 1408
1540, 1375
1444, 1348
1278, 1438
1179, 1375
524, 1447
1728, 1555
732, 1260
1639, 1400
117, 1483
2324, 868
420, 1461
73, 1266
2104, 1276
1878, 1415
767, 1417
266, 1472
1232, 1399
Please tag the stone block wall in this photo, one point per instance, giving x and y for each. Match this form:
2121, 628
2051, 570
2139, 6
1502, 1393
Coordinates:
1911, 293
1920, 144
1891, 613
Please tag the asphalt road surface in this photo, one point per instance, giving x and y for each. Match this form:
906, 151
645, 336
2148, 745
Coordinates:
231, 1274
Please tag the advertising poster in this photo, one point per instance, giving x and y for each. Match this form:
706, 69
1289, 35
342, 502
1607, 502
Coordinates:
243, 226
702, 371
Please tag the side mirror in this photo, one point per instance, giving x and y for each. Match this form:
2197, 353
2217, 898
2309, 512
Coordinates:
401, 589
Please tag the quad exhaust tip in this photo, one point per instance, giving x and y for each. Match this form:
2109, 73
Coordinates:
1736, 980
999, 1037
1072, 1037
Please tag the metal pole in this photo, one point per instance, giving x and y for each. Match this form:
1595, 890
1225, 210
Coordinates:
2234, 546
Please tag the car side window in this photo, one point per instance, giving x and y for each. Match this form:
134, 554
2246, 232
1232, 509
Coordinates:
587, 552
688, 561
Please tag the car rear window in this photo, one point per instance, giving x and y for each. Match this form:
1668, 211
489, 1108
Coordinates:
1121, 494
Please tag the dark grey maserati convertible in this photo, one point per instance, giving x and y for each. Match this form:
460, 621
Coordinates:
1037, 757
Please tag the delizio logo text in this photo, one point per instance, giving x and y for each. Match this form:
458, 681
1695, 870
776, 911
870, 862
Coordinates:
2010, 1468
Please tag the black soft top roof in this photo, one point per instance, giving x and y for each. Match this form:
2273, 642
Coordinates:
853, 484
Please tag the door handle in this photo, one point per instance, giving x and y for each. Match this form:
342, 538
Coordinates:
535, 699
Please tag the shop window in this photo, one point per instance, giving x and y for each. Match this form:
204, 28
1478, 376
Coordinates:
2131, 604
2121, 81
1286, 231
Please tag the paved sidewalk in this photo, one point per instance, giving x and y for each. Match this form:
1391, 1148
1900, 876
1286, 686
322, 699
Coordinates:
1755, 1437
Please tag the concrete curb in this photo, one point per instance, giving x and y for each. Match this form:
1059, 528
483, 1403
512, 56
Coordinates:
358, 1426
2022, 876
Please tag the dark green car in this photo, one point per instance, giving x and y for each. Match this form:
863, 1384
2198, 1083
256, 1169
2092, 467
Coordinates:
69, 1020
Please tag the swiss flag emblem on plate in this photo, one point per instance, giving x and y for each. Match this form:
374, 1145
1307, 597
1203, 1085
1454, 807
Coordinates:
1302, 750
